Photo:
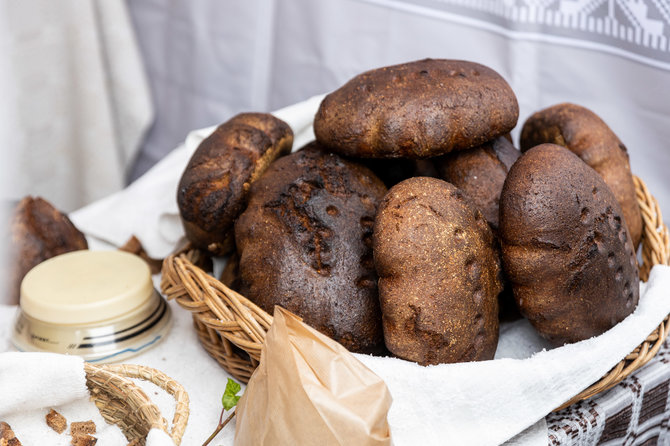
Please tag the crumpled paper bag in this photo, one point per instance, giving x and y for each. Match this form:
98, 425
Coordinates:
309, 390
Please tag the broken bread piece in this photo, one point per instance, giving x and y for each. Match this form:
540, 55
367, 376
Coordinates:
56, 421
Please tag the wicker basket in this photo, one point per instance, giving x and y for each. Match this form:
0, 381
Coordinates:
122, 402
232, 329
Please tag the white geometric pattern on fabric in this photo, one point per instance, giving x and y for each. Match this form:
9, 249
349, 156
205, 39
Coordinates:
636, 29
635, 413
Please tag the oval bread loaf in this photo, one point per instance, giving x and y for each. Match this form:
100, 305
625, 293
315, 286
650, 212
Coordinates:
566, 250
439, 274
585, 134
214, 187
416, 110
305, 243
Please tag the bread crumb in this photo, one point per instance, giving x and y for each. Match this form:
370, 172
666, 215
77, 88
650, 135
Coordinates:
7, 437
83, 440
82, 427
56, 421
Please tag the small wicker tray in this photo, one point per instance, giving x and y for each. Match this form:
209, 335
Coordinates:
122, 402
232, 328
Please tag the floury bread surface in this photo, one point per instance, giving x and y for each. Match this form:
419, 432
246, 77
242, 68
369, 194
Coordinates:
439, 274
566, 249
305, 243
588, 137
214, 187
416, 110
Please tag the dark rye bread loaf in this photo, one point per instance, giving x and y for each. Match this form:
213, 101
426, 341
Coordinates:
586, 135
566, 249
480, 173
416, 110
39, 232
305, 243
214, 187
439, 274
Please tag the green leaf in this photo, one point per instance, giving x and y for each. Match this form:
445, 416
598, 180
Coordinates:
230, 397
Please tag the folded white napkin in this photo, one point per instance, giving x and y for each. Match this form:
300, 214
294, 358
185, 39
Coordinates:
33, 383
472, 403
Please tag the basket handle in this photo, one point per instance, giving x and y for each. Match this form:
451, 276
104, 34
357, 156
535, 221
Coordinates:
166, 383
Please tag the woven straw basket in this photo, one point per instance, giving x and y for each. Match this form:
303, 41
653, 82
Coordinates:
122, 402
232, 329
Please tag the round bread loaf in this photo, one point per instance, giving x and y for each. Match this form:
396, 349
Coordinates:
585, 134
416, 110
214, 187
305, 243
39, 232
565, 247
480, 173
439, 274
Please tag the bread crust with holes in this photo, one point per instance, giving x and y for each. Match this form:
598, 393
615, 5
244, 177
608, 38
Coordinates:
566, 249
586, 135
416, 110
305, 243
439, 274
214, 187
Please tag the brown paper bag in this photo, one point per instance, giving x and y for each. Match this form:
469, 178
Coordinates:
309, 390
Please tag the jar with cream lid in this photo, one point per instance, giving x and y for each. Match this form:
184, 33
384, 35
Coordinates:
100, 305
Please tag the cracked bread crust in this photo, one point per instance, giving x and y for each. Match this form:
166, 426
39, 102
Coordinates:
214, 187
587, 136
439, 274
416, 110
305, 243
566, 249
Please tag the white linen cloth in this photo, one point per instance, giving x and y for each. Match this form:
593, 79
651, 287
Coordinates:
29, 389
76, 102
473, 403
491, 401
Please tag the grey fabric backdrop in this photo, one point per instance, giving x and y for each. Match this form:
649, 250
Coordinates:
208, 60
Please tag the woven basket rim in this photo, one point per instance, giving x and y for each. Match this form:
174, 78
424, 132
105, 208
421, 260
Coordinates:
232, 329
122, 402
